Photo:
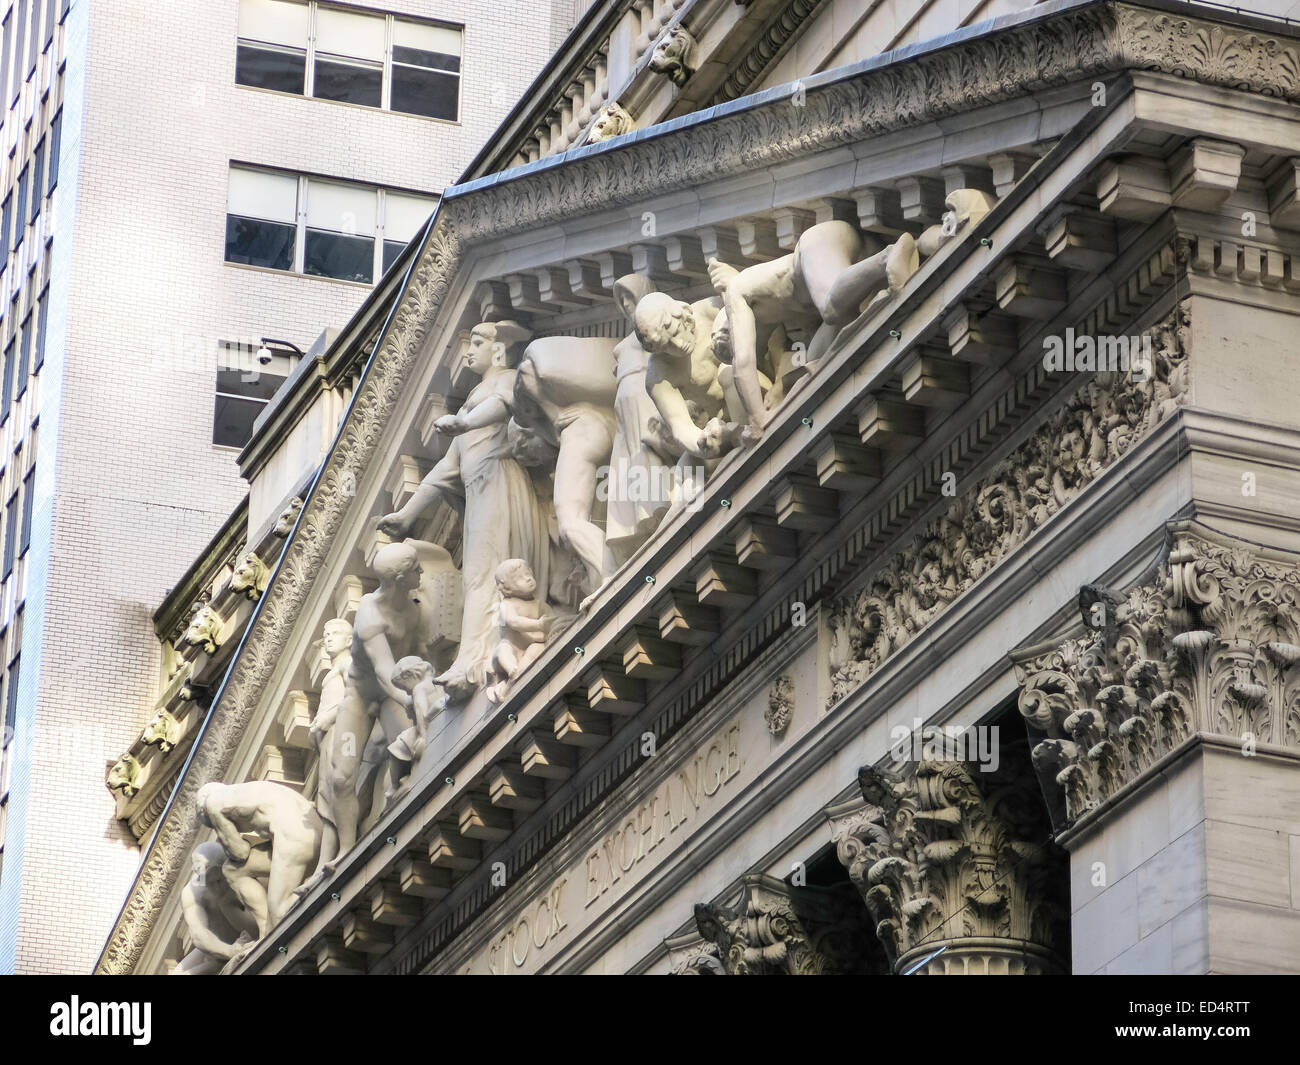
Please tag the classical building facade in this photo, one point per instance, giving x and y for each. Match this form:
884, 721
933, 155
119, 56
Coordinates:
819, 497
180, 182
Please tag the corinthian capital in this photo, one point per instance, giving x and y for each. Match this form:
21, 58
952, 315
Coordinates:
775, 929
952, 861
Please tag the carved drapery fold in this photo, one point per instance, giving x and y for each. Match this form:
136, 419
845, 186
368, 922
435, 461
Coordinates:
1209, 643
776, 929
1099, 424
953, 865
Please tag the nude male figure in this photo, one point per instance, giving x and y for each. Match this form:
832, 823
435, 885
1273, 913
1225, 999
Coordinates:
268, 831
393, 621
218, 924
820, 286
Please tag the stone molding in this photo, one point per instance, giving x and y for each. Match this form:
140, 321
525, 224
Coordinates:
1209, 644
1074, 44
947, 856
1099, 424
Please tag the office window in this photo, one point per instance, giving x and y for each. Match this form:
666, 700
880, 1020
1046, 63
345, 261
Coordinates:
425, 69
56, 130
8, 54
51, 20
261, 218
42, 316
272, 48
11, 533
349, 57
38, 170
28, 501
24, 356
340, 231
11, 695
403, 217
16, 68
244, 387
7, 398
20, 215
34, 40
6, 223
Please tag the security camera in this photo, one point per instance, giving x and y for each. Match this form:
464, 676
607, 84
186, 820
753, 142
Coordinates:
264, 355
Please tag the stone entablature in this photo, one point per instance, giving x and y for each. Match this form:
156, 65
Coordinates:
862, 415
1208, 646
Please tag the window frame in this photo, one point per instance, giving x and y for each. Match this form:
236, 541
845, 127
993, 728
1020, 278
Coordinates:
386, 65
301, 227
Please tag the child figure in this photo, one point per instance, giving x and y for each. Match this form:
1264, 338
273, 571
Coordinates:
415, 676
520, 623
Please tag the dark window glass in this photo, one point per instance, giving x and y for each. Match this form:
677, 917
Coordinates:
420, 91
64, 11
51, 20
241, 397
56, 130
8, 50
392, 249
24, 357
248, 384
6, 224
354, 83
264, 67
38, 167
11, 697
258, 243
20, 215
8, 396
418, 57
34, 48
11, 533
16, 69
336, 255
28, 500
42, 315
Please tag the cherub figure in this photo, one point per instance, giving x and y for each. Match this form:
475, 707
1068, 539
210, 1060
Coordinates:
415, 676
520, 623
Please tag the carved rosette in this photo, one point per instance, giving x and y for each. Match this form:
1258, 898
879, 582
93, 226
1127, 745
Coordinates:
1097, 426
1208, 644
953, 865
775, 929
780, 705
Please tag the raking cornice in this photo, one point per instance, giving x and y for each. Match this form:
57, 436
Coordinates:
1052, 45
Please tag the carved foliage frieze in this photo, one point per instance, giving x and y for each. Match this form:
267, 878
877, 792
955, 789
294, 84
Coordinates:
1100, 423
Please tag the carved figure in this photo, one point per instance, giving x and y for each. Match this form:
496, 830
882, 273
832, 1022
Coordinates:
611, 121
640, 457
393, 621
416, 676
204, 630
564, 392
268, 832
124, 776
682, 370
520, 623
819, 287
249, 577
162, 731
333, 692
284, 523
501, 514
674, 55
219, 926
